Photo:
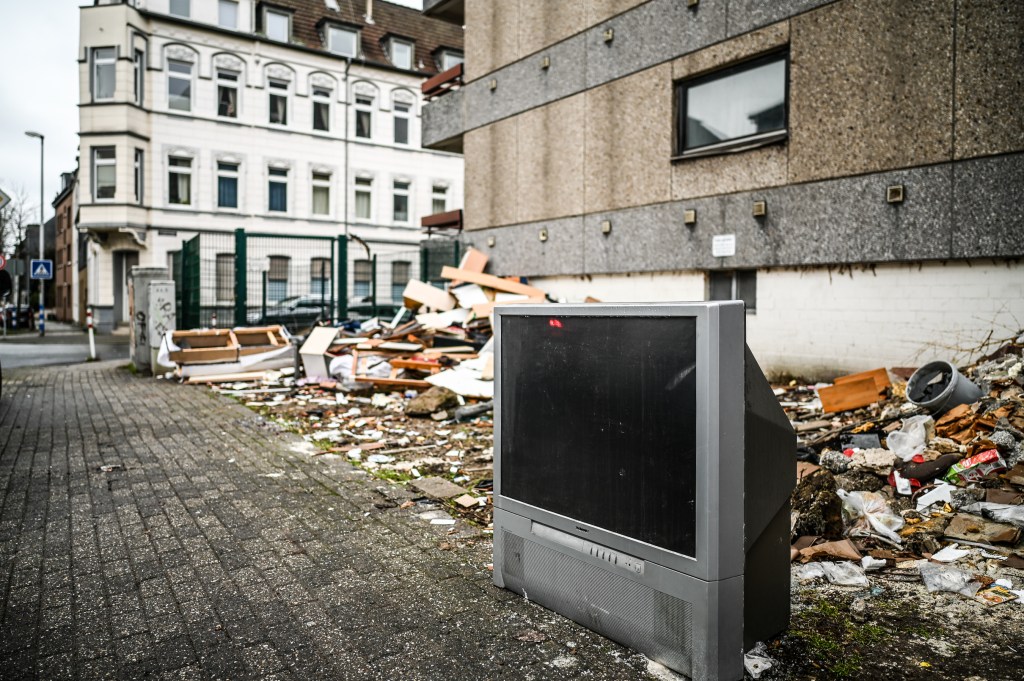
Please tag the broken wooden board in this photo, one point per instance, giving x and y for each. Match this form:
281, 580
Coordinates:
438, 488
848, 395
467, 501
228, 378
485, 309
418, 293
404, 382
416, 365
314, 350
880, 376
490, 281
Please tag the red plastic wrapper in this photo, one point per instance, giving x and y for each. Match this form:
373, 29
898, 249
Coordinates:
976, 467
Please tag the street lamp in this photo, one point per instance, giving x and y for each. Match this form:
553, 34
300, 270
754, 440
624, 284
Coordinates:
42, 254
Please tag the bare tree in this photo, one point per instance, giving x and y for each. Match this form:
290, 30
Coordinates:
15, 217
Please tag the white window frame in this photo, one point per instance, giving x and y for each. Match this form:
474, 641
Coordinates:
181, 170
366, 107
223, 79
176, 75
274, 89
334, 30
406, 115
235, 174
439, 192
320, 183
274, 172
393, 43
450, 59
139, 75
396, 191
96, 163
139, 174
98, 62
267, 13
321, 96
221, 6
363, 185
188, 9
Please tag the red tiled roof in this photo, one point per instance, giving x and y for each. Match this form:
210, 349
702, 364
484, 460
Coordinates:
310, 16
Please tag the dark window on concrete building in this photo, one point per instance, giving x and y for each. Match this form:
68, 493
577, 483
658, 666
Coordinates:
227, 93
277, 190
321, 109
225, 277
400, 272
104, 64
740, 106
361, 278
277, 278
320, 277
104, 173
734, 285
364, 116
278, 90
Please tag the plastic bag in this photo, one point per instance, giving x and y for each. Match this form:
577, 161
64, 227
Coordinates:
808, 572
845, 574
910, 440
870, 512
1002, 513
946, 578
756, 662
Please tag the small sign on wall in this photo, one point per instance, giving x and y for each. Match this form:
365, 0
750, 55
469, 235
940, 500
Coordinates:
723, 245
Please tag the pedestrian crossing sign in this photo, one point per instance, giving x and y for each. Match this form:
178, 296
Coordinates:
41, 269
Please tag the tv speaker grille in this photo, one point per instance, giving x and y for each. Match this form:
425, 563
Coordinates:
636, 615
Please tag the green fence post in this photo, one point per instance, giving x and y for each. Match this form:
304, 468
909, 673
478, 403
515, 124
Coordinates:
373, 285
342, 283
241, 268
458, 254
263, 308
424, 264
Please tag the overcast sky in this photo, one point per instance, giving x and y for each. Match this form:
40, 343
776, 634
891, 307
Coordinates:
39, 91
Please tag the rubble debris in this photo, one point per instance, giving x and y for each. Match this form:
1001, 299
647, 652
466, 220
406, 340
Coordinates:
975, 528
433, 400
438, 488
757, 661
945, 578
816, 508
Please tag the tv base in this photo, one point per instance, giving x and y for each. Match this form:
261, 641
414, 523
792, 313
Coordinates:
692, 626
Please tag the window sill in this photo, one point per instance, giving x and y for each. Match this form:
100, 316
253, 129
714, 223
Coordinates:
734, 146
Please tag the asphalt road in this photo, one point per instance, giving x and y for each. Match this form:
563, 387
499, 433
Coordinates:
60, 346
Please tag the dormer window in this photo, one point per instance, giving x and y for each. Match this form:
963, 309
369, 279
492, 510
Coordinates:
448, 59
277, 24
343, 41
401, 53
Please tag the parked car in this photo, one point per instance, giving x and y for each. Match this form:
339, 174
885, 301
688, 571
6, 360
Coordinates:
297, 314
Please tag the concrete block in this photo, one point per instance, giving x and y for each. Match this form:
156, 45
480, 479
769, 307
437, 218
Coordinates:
649, 35
518, 250
629, 141
870, 87
549, 181
491, 162
988, 215
989, 77
543, 23
493, 40
746, 15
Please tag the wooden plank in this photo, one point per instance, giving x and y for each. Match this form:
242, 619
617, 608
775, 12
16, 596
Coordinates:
204, 355
227, 378
474, 261
405, 382
418, 293
490, 281
880, 376
485, 309
848, 395
442, 81
454, 350
418, 365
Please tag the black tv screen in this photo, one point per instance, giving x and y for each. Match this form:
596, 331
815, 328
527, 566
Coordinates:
598, 422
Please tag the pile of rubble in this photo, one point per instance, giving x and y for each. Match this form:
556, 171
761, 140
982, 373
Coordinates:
408, 399
909, 483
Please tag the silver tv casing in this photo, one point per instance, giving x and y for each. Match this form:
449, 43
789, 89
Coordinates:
695, 614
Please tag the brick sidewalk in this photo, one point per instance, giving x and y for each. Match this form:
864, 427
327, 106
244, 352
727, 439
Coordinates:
149, 528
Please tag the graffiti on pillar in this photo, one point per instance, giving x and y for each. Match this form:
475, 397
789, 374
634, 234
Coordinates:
140, 324
161, 311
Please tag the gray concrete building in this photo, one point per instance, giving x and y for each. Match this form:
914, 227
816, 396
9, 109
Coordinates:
849, 168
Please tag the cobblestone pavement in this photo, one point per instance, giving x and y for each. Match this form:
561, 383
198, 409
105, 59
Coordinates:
153, 529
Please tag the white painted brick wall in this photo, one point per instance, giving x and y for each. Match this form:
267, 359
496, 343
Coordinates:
819, 323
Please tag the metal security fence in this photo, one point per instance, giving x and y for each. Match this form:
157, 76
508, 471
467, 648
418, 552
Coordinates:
247, 279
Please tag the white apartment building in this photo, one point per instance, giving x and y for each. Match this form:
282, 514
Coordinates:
292, 117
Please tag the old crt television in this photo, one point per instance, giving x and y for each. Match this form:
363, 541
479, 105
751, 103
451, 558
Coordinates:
643, 469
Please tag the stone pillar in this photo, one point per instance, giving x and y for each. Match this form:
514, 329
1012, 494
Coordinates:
138, 308
161, 319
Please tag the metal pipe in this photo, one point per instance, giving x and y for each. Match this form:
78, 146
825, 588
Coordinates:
42, 253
